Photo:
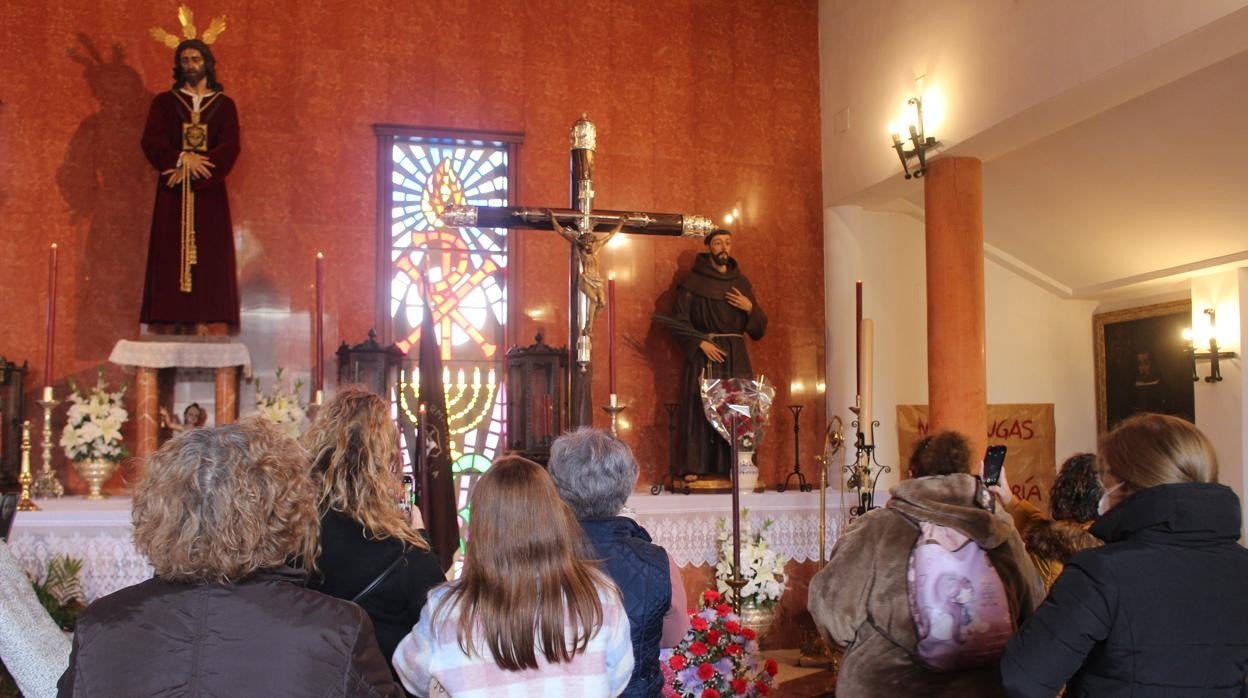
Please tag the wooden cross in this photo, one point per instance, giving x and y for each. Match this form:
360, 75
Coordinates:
587, 232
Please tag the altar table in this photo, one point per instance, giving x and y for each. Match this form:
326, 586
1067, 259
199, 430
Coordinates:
99, 532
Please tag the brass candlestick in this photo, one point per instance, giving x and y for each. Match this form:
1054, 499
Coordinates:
817, 653
736, 581
25, 478
48, 485
614, 409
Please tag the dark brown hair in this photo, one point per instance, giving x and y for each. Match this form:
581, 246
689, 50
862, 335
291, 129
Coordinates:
1077, 490
524, 582
942, 453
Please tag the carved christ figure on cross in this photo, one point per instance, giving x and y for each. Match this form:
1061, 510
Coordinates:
588, 245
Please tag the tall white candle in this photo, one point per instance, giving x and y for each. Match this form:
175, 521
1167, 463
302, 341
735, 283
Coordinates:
866, 346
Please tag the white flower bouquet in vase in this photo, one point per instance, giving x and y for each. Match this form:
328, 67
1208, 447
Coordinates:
283, 406
762, 568
92, 435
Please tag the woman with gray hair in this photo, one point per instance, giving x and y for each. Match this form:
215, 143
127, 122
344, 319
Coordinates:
594, 474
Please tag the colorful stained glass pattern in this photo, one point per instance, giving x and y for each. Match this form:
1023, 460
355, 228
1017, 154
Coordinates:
466, 270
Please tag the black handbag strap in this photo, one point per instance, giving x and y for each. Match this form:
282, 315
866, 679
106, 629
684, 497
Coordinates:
384, 573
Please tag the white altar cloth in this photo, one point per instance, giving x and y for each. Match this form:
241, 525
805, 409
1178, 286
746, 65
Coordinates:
687, 524
96, 532
100, 533
182, 354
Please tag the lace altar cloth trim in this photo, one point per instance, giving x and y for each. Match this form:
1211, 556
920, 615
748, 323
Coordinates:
161, 354
686, 525
98, 533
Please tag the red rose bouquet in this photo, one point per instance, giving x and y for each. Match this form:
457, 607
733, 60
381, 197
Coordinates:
718, 657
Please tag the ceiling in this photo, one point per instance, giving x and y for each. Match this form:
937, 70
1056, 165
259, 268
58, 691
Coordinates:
1131, 200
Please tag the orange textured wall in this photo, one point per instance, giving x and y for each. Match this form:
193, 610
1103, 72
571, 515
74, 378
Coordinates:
701, 106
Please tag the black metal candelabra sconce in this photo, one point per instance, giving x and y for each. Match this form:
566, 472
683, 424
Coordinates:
864, 473
1214, 356
802, 485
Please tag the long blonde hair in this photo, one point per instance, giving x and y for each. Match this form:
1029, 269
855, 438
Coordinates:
219, 504
355, 459
1156, 449
523, 578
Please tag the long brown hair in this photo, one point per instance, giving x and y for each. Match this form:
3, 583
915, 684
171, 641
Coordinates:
521, 575
355, 457
1156, 449
220, 504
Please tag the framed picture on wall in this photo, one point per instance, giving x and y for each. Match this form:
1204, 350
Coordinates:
1142, 364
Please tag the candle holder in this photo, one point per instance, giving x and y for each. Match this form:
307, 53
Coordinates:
736, 581
670, 408
614, 410
48, 485
864, 473
24, 503
817, 653
802, 485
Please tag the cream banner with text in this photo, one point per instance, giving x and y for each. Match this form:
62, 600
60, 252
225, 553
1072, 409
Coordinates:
1027, 432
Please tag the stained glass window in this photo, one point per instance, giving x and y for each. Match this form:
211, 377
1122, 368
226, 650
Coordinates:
466, 270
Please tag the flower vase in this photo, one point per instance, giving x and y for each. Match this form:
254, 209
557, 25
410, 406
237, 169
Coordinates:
760, 618
96, 472
747, 472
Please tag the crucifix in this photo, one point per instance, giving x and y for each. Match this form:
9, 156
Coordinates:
587, 232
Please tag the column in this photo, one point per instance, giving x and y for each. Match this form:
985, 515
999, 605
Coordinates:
146, 405
956, 372
226, 395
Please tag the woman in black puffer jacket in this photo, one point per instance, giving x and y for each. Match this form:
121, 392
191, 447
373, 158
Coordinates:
1160, 610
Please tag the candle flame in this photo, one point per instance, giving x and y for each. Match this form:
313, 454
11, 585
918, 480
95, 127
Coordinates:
320, 255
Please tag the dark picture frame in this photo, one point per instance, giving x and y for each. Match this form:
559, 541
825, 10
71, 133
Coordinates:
1142, 363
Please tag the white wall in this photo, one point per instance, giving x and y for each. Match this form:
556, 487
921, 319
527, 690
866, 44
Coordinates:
1220, 407
992, 60
1039, 347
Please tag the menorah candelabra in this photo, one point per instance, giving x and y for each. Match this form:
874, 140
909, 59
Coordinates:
467, 402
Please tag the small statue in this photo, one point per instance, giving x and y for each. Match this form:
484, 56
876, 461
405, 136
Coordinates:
193, 417
588, 245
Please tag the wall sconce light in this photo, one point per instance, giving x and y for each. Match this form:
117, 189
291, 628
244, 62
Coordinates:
920, 142
1214, 356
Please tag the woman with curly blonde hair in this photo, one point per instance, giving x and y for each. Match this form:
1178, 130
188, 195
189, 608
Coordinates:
531, 615
369, 552
219, 512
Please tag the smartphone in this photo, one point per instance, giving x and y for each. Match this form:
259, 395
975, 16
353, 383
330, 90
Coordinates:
994, 461
409, 494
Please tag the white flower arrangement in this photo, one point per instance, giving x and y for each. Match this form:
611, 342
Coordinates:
283, 406
93, 425
761, 567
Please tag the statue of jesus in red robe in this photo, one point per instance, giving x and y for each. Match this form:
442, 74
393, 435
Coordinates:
191, 138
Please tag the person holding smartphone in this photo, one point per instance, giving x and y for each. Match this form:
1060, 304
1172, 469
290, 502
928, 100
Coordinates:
371, 552
1054, 538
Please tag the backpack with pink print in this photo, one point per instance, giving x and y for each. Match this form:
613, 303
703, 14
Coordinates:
957, 600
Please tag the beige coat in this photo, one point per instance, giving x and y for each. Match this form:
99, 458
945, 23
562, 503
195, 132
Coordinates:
859, 600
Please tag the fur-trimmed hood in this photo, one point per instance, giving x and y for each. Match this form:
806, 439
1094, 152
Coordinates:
1059, 540
949, 500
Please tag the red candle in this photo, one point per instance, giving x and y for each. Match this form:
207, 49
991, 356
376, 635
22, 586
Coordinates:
320, 324
51, 319
611, 333
858, 334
